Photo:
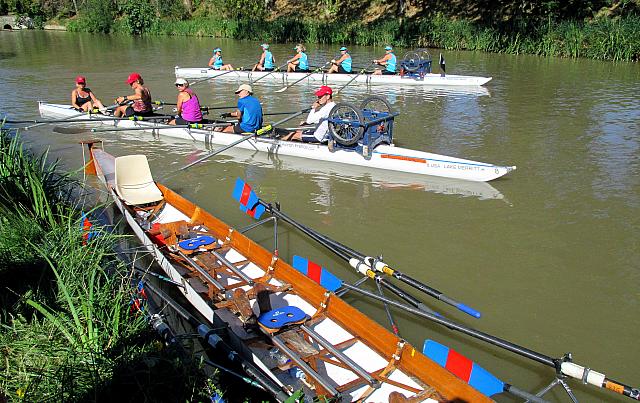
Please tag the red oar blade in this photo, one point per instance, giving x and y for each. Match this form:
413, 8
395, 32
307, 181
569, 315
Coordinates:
462, 367
316, 273
249, 201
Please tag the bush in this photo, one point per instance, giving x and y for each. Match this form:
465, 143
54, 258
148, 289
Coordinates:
138, 16
96, 16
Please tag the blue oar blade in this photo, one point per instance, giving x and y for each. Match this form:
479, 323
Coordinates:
316, 273
462, 367
249, 201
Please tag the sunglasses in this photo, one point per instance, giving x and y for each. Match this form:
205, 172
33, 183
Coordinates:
179, 85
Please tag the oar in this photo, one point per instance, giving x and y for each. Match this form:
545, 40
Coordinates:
249, 136
392, 322
286, 87
262, 381
214, 77
270, 73
102, 118
357, 260
353, 79
109, 108
561, 365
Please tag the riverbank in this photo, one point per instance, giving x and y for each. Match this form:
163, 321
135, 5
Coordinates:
67, 328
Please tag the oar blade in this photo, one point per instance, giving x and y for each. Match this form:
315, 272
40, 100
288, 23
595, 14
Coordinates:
462, 367
249, 201
316, 273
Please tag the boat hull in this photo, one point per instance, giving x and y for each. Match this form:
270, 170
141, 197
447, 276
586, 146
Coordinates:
429, 80
384, 157
397, 365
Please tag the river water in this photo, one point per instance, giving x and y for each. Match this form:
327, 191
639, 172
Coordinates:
550, 254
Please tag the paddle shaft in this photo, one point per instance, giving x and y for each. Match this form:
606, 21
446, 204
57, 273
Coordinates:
367, 271
286, 87
212, 78
352, 79
347, 254
228, 146
392, 322
109, 108
270, 73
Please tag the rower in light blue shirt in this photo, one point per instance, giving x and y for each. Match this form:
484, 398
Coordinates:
389, 62
267, 62
299, 62
216, 61
343, 64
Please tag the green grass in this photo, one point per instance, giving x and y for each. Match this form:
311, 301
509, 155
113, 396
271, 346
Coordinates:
66, 330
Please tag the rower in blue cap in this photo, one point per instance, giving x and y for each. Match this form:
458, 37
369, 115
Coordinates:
389, 62
216, 61
267, 62
343, 64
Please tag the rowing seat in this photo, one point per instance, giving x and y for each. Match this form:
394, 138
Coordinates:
274, 320
133, 181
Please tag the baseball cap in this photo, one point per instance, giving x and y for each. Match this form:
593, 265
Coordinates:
133, 77
181, 81
244, 87
217, 50
343, 48
81, 80
324, 90
388, 47
265, 46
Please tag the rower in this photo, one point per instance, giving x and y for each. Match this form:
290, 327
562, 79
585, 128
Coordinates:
249, 112
388, 62
216, 61
188, 105
267, 62
343, 64
298, 63
83, 99
318, 114
141, 98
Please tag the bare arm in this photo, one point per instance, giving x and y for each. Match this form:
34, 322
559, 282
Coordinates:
211, 61
73, 99
182, 98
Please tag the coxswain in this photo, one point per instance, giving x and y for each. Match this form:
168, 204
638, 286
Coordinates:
83, 99
188, 106
343, 64
267, 62
139, 103
318, 116
249, 112
388, 61
299, 62
216, 61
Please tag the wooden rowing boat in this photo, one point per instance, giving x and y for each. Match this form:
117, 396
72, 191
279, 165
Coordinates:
385, 157
428, 80
331, 349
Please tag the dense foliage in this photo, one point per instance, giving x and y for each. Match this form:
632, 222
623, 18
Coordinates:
602, 29
67, 332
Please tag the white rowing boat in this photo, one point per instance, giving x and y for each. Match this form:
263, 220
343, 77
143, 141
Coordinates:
385, 157
429, 79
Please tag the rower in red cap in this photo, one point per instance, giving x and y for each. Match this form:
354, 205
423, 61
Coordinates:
141, 98
318, 117
83, 99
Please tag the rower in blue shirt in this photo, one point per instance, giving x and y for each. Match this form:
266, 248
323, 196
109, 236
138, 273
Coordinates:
216, 61
267, 62
389, 62
343, 64
249, 112
299, 62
